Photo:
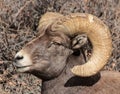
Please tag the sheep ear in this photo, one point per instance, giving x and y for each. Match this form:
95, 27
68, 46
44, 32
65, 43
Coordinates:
46, 21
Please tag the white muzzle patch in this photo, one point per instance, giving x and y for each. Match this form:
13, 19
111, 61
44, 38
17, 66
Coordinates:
23, 63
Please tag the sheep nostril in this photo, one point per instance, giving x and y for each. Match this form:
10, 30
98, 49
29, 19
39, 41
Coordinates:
18, 57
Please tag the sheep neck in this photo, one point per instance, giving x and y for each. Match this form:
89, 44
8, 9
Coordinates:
67, 80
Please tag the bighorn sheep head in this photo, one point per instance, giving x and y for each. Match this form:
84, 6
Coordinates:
42, 54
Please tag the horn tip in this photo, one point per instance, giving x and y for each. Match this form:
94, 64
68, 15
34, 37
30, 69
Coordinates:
76, 71
80, 71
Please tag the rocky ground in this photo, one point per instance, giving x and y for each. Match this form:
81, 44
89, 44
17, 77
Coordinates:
18, 25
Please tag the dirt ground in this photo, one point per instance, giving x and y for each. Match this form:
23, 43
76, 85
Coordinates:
18, 25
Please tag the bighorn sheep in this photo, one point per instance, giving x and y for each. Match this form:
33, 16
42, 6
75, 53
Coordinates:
49, 56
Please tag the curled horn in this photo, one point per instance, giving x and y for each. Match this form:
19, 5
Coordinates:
97, 32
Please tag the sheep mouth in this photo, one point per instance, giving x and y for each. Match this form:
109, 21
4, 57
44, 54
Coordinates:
23, 68
20, 67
